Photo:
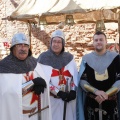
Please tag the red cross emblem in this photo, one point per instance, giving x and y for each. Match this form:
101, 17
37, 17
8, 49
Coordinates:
61, 73
29, 76
52, 88
72, 84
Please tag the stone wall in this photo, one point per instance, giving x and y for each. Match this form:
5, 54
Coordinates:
78, 37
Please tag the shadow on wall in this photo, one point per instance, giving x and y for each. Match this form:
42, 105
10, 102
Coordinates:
40, 41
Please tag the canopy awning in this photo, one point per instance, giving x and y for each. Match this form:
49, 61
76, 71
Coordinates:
55, 11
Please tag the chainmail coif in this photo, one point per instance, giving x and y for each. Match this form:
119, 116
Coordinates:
11, 64
53, 60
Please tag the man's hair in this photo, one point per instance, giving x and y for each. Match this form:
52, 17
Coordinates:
99, 33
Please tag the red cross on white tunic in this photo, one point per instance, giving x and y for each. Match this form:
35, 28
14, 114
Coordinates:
29, 77
61, 73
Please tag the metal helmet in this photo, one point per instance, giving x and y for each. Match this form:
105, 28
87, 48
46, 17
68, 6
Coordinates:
58, 33
20, 38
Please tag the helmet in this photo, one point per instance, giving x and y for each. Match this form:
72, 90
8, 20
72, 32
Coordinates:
58, 33
19, 38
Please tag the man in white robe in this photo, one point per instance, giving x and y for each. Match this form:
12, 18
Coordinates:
17, 69
64, 75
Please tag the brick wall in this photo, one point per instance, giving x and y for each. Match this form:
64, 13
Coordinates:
78, 37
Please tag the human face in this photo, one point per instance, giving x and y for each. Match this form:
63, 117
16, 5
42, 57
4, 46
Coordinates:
99, 43
57, 45
21, 51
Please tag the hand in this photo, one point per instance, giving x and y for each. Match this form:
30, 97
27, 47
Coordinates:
62, 95
71, 95
39, 85
39, 81
38, 89
101, 96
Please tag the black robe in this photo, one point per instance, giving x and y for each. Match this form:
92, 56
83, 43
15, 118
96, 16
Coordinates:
109, 107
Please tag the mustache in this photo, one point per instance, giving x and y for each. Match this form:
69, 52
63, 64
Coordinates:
23, 52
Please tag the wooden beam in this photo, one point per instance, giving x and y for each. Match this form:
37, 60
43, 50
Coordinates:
29, 30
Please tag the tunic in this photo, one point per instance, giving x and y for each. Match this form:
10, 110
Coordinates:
101, 72
14, 73
65, 66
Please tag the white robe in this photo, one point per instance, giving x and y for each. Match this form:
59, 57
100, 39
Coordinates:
57, 105
11, 101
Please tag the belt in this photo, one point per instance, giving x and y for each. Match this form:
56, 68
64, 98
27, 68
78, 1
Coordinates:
29, 111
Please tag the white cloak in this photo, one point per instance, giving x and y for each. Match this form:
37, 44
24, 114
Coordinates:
11, 101
57, 105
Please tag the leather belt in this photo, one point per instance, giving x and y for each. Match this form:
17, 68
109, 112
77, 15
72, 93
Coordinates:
29, 111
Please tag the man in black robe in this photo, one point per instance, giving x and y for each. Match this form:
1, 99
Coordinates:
100, 80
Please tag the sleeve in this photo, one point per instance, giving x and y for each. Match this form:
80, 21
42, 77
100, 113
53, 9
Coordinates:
53, 89
85, 85
116, 86
117, 63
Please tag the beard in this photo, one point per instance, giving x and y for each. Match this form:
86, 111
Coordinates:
99, 49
